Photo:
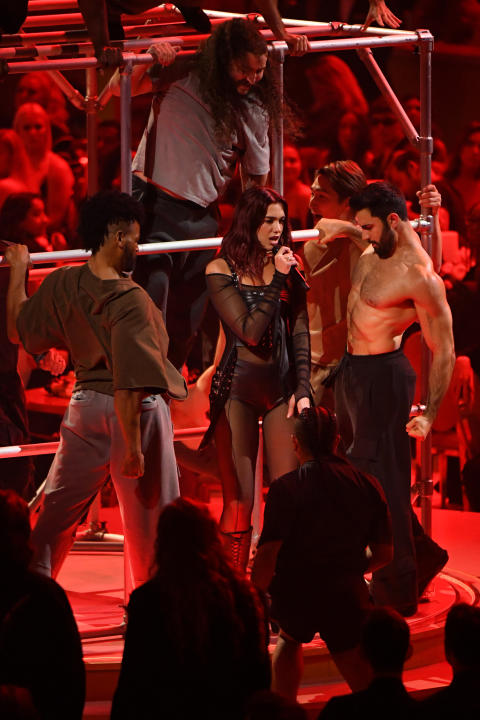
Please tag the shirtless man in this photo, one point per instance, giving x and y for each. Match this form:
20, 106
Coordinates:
329, 263
393, 285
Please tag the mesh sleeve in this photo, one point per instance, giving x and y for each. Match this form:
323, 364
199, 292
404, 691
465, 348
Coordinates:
300, 341
248, 325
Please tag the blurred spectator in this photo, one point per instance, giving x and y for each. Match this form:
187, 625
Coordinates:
296, 193
473, 239
333, 90
352, 138
196, 641
38, 87
464, 171
108, 147
386, 134
13, 165
40, 647
15, 473
50, 173
457, 22
403, 171
386, 646
23, 220
460, 699
411, 105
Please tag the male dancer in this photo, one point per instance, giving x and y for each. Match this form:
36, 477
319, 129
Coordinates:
393, 285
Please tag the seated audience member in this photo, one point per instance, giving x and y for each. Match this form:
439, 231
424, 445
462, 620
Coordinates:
40, 646
296, 193
13, 165
196, 640
325, 525
23, 220
352, 139
464, 170
472, 238
38, 87
108, 147
460, 699
333, 89
403, 171
51, 174
386, 134
385, 644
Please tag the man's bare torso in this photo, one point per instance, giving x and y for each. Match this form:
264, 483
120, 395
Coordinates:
381, 304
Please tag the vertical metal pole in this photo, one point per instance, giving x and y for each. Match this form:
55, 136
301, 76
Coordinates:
277, 133
92, 135
126, 127
426, 148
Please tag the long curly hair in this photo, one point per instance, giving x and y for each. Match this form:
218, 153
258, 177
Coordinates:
240, 245
229, 42
198, 583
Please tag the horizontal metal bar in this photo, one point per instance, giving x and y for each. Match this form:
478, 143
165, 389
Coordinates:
150, 248
49, 448
85, 48
328, 28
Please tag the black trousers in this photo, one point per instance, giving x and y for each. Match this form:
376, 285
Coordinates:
175, 281
373, 397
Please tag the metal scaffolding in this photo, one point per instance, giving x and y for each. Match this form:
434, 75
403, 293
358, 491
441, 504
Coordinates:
67, 48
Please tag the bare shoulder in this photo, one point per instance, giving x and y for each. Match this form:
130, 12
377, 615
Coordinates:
217, 266
426, 285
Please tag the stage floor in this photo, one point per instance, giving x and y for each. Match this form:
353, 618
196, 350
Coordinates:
94, 582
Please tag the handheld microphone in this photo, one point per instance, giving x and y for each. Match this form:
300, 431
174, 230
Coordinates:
297, 273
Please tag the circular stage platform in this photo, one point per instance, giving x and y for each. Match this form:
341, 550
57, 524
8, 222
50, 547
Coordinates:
94, 582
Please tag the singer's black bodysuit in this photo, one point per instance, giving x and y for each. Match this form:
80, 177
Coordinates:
266, 360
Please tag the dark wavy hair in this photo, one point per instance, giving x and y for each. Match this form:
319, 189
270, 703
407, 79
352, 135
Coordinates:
240, 244
231, 41
198, 582
381, 199
103, 209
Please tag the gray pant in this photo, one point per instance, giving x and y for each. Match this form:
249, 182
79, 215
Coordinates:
92, 448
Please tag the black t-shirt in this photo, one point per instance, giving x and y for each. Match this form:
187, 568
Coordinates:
326, 513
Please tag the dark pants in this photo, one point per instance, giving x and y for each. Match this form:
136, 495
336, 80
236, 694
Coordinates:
373, 397
175, 281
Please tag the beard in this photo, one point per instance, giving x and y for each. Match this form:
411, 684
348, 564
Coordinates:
386, 244
129, 260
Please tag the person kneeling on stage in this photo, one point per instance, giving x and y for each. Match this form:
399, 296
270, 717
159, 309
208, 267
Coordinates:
325, 525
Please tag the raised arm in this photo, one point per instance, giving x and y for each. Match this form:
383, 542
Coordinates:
95, 15
248, 325
329, 229
297, 44
164, 55
430, 202
436, 323
18, 258
378, 12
